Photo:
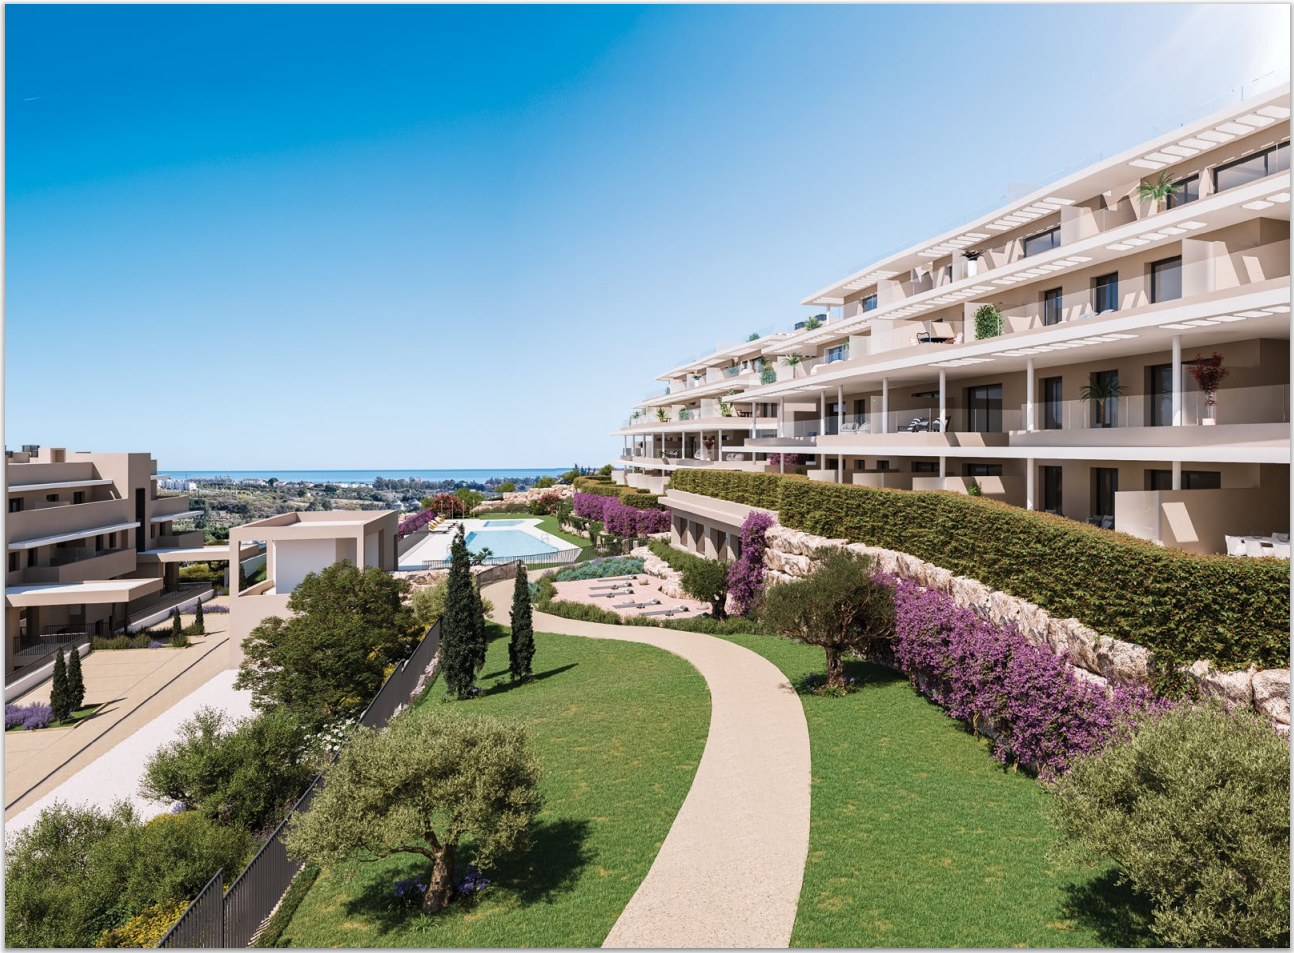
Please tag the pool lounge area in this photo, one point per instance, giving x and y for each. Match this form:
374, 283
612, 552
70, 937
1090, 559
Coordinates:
506, 540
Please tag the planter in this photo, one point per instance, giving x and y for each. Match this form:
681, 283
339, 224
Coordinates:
1208, 421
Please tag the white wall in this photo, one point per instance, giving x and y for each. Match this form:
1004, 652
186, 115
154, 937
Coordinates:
293, 559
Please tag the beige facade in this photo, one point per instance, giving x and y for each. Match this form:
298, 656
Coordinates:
895, 383
297, 544
87, 541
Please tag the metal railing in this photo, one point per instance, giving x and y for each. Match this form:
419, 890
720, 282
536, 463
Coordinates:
213, 921
560, 556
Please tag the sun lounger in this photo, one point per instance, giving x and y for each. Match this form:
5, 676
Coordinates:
611, 595
638, 605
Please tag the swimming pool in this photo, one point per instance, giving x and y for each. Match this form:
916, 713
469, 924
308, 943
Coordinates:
507, 542
507, 523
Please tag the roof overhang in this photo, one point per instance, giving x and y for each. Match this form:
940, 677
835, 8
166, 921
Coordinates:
81, 593
67, 537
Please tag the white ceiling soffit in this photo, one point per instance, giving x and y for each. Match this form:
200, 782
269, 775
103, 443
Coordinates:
1207, 139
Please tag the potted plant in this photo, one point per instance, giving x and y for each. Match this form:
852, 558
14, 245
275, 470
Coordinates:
1103, 389
661, 415
725, 409
685, 414
812, 324
972, 262
793, 361
754, 336
1208, 373
988, 322
768, 376
1157, 191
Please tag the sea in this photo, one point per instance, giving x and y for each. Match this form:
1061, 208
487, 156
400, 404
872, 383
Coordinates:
366, 476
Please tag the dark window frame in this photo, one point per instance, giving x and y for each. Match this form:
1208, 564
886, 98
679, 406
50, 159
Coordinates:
1053, 404
982, 413
1052, 296
1105, 287
1164, 265
1053, 236
1182, 194
1264, 154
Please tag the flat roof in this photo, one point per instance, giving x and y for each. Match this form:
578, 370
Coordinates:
56, 485
195, 554
70, 593
167, 517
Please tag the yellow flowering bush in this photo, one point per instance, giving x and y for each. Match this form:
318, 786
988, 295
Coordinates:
146, 928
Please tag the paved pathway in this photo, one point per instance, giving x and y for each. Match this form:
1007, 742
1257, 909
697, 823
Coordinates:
729, 872
115, 776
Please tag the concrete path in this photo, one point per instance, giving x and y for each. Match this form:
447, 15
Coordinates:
729, 872
115, 776
137, 686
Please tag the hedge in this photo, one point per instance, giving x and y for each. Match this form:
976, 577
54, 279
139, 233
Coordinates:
629, 495
1181, 605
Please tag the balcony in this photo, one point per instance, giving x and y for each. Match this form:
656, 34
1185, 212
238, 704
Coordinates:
78, 564
54, 524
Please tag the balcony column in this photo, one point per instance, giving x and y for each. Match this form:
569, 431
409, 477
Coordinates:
943, 397
1028, 411
1177, 474
885, 405
943, 467
822, 413
780, 419
1177, 386
1029, 468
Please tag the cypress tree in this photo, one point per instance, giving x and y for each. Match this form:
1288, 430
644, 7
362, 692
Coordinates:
242, 578
176, 629
75, 681
199, 625
458, 622
60, 700
521, 650
480, 642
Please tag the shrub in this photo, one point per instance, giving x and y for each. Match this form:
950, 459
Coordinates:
244, 772
140, 640
605, 470
1042, 713
507, 486
199, 621
544, 482
768, 376
28, 717
418, 788
60, 695
746, 577
1183, 606
620, 518
707, 580
428, 603
145, 929
601, 568
839, 606
988, 322
1195, 810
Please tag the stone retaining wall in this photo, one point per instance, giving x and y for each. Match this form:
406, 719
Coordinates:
521, 499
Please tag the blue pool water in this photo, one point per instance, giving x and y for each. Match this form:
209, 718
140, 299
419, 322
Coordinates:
507, 542
506, 522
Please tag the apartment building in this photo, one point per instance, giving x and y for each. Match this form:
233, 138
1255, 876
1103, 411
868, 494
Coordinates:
1046, 353
91, 548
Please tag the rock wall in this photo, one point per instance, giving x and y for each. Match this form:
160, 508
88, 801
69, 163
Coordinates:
523, 498
1102, 659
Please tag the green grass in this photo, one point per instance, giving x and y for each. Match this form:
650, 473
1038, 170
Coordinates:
919, 838
547, 523
619, 729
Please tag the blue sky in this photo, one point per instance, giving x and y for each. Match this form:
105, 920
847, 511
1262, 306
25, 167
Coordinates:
422, 237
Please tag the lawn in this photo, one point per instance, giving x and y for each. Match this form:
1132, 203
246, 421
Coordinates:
919, 838
619, 729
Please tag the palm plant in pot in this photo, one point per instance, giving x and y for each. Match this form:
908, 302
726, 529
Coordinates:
1157, 191
793, 361
661, 415
1103, 389
1208, 373
972, 261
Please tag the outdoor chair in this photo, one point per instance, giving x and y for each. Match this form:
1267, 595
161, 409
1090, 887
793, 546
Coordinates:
1107, 522
1235, 545
1257, 548
1281, 550
1281, 537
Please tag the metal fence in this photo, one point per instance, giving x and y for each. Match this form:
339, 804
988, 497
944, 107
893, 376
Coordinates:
559, 557
236, 920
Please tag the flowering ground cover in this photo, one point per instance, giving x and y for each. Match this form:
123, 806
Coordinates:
919, 837
619, 729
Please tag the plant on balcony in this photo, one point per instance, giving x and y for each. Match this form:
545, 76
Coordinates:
685, 414
1208, 373
812, 324
1103, 389
661, 415
793, 361
988, 322
754, 336
973, 254
768, 376
1157, 191
725, 408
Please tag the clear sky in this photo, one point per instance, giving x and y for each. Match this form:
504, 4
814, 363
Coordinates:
407, 237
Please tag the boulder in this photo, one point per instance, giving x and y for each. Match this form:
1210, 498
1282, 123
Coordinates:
1233, 688
790, 564
1122, 662
1271, 690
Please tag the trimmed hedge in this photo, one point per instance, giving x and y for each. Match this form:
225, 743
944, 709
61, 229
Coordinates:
1181, 605
629, 495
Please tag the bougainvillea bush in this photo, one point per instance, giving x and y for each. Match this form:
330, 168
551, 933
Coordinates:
416, 522
746, 575
619, 518
992, 677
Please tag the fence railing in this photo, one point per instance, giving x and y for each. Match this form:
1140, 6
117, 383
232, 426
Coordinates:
540, 559
234, 920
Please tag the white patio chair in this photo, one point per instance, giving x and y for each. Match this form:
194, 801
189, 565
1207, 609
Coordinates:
1281, 550
1281, 537
1256, 548
1235, 545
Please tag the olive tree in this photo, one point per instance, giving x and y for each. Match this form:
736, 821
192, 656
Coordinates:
707, 580
838, 606
420, 787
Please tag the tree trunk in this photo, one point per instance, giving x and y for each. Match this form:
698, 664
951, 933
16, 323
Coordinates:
835, 667
717, 609
440, 891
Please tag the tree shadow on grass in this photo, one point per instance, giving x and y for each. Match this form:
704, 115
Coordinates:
552, 865
509, 686
1115, 912
869, 674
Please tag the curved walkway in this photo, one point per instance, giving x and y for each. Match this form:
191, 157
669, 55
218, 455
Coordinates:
729, 872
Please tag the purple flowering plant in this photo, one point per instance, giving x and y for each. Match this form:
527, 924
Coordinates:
746, 575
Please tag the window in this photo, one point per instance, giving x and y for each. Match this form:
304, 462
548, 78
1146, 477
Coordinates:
1166, 279
869, 303
1051, 306
78, 496
1252, 168
1105, 483
1105, 412
1184, 191
1160, 390
983, 469
1053, 409
15, 505
112, 540
1191, 480
985, 405
51, 497
838, 353
1105, 293
1051, 489
31, 557
13, 562
882, 464
925, 466
1043, 241
98, 543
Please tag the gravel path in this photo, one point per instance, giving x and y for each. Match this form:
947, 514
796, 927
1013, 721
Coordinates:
729, 872
115, 776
